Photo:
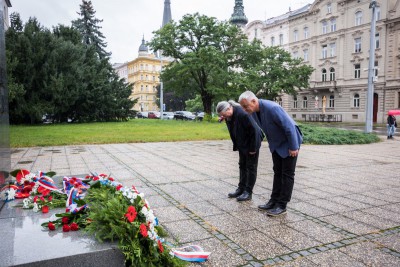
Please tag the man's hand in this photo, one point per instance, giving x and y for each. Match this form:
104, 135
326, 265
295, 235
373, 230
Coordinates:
293, 153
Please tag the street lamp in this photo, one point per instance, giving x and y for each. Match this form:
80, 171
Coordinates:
159, 55
371, 74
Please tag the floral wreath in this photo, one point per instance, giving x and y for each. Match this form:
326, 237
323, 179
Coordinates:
105, 208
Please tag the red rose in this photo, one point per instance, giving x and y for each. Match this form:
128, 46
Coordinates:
50, 198
42, 199
143, 230
21, 174
131, 214
45, 209
51, 226
66, 228
64, 220
118, 187
74, 227
35, 199
95, 178
160, 246
111, 179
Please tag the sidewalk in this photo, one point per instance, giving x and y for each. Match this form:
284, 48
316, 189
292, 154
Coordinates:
344, 212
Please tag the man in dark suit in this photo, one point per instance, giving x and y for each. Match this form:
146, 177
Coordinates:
246, 137
284, 139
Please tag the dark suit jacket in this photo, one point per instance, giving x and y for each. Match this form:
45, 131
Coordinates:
281, 130
246, 135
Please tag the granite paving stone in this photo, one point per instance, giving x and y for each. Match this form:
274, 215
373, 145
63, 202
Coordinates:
258, 244
391, 242
345, 199
349, 224
370, 219
370, 254
186, 231
289, 237
334, 258
317, 231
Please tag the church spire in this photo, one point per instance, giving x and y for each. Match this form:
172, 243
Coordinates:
167, 17
238, 17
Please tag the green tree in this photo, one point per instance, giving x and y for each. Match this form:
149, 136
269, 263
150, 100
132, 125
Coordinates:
88, 26
204, 53
272, 71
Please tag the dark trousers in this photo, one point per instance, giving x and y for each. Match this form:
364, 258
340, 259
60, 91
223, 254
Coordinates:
248, 171
284, 169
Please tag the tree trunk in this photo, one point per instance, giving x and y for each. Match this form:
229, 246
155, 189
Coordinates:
207, 102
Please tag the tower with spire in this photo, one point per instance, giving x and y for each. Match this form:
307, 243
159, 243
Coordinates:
238, 17
167, 17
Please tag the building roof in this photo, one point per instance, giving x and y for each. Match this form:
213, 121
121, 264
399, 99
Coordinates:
8, 2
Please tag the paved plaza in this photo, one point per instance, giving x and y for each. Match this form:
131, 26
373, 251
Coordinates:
344, 211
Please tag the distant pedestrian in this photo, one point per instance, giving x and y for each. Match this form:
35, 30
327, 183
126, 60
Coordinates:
284, 139
391, 126
246, 137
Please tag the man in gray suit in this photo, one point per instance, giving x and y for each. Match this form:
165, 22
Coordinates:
284, 139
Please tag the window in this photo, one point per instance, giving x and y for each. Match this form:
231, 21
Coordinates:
279, 101
324, 26
357, 71
272, 41
331, 74
295, 102
141, 66
305, 32
154, 78
356, 100
305, 51
329, 8
296, 35
147, 67
280, 39
154, 89
377, 13
147, 77
295, 54
324, 51
255, 33
376, 68
332, 50
358, 18
305, 102
141, 77
377, 43
357, 45
324, 75
333, 25
332, 101
141, 88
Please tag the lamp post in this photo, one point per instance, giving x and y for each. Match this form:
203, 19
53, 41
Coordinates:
161, 87
371, 74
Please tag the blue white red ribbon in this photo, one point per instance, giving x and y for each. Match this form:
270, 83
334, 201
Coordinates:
192, 253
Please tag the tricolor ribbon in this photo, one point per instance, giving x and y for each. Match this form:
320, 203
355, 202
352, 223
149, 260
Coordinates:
192, 253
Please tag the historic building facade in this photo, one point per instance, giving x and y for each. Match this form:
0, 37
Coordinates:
5, 5
333, 36
144, 74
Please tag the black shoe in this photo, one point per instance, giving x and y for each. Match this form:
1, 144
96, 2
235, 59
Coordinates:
270, 204
276, 211
245, 196
237, 193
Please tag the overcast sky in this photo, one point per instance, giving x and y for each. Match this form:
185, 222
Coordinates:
126, 21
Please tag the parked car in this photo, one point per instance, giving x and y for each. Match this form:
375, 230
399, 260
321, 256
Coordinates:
142, 115
153, 115
200, 116
184, 115
168, 116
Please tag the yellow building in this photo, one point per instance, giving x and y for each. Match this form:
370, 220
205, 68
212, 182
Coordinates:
144, 74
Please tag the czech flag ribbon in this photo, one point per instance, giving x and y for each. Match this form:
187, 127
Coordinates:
48, 183
192, 253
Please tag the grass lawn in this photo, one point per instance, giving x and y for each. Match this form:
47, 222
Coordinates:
134, 131
146, 130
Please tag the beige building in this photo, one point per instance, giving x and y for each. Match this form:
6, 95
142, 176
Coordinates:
144, 74
333, 36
